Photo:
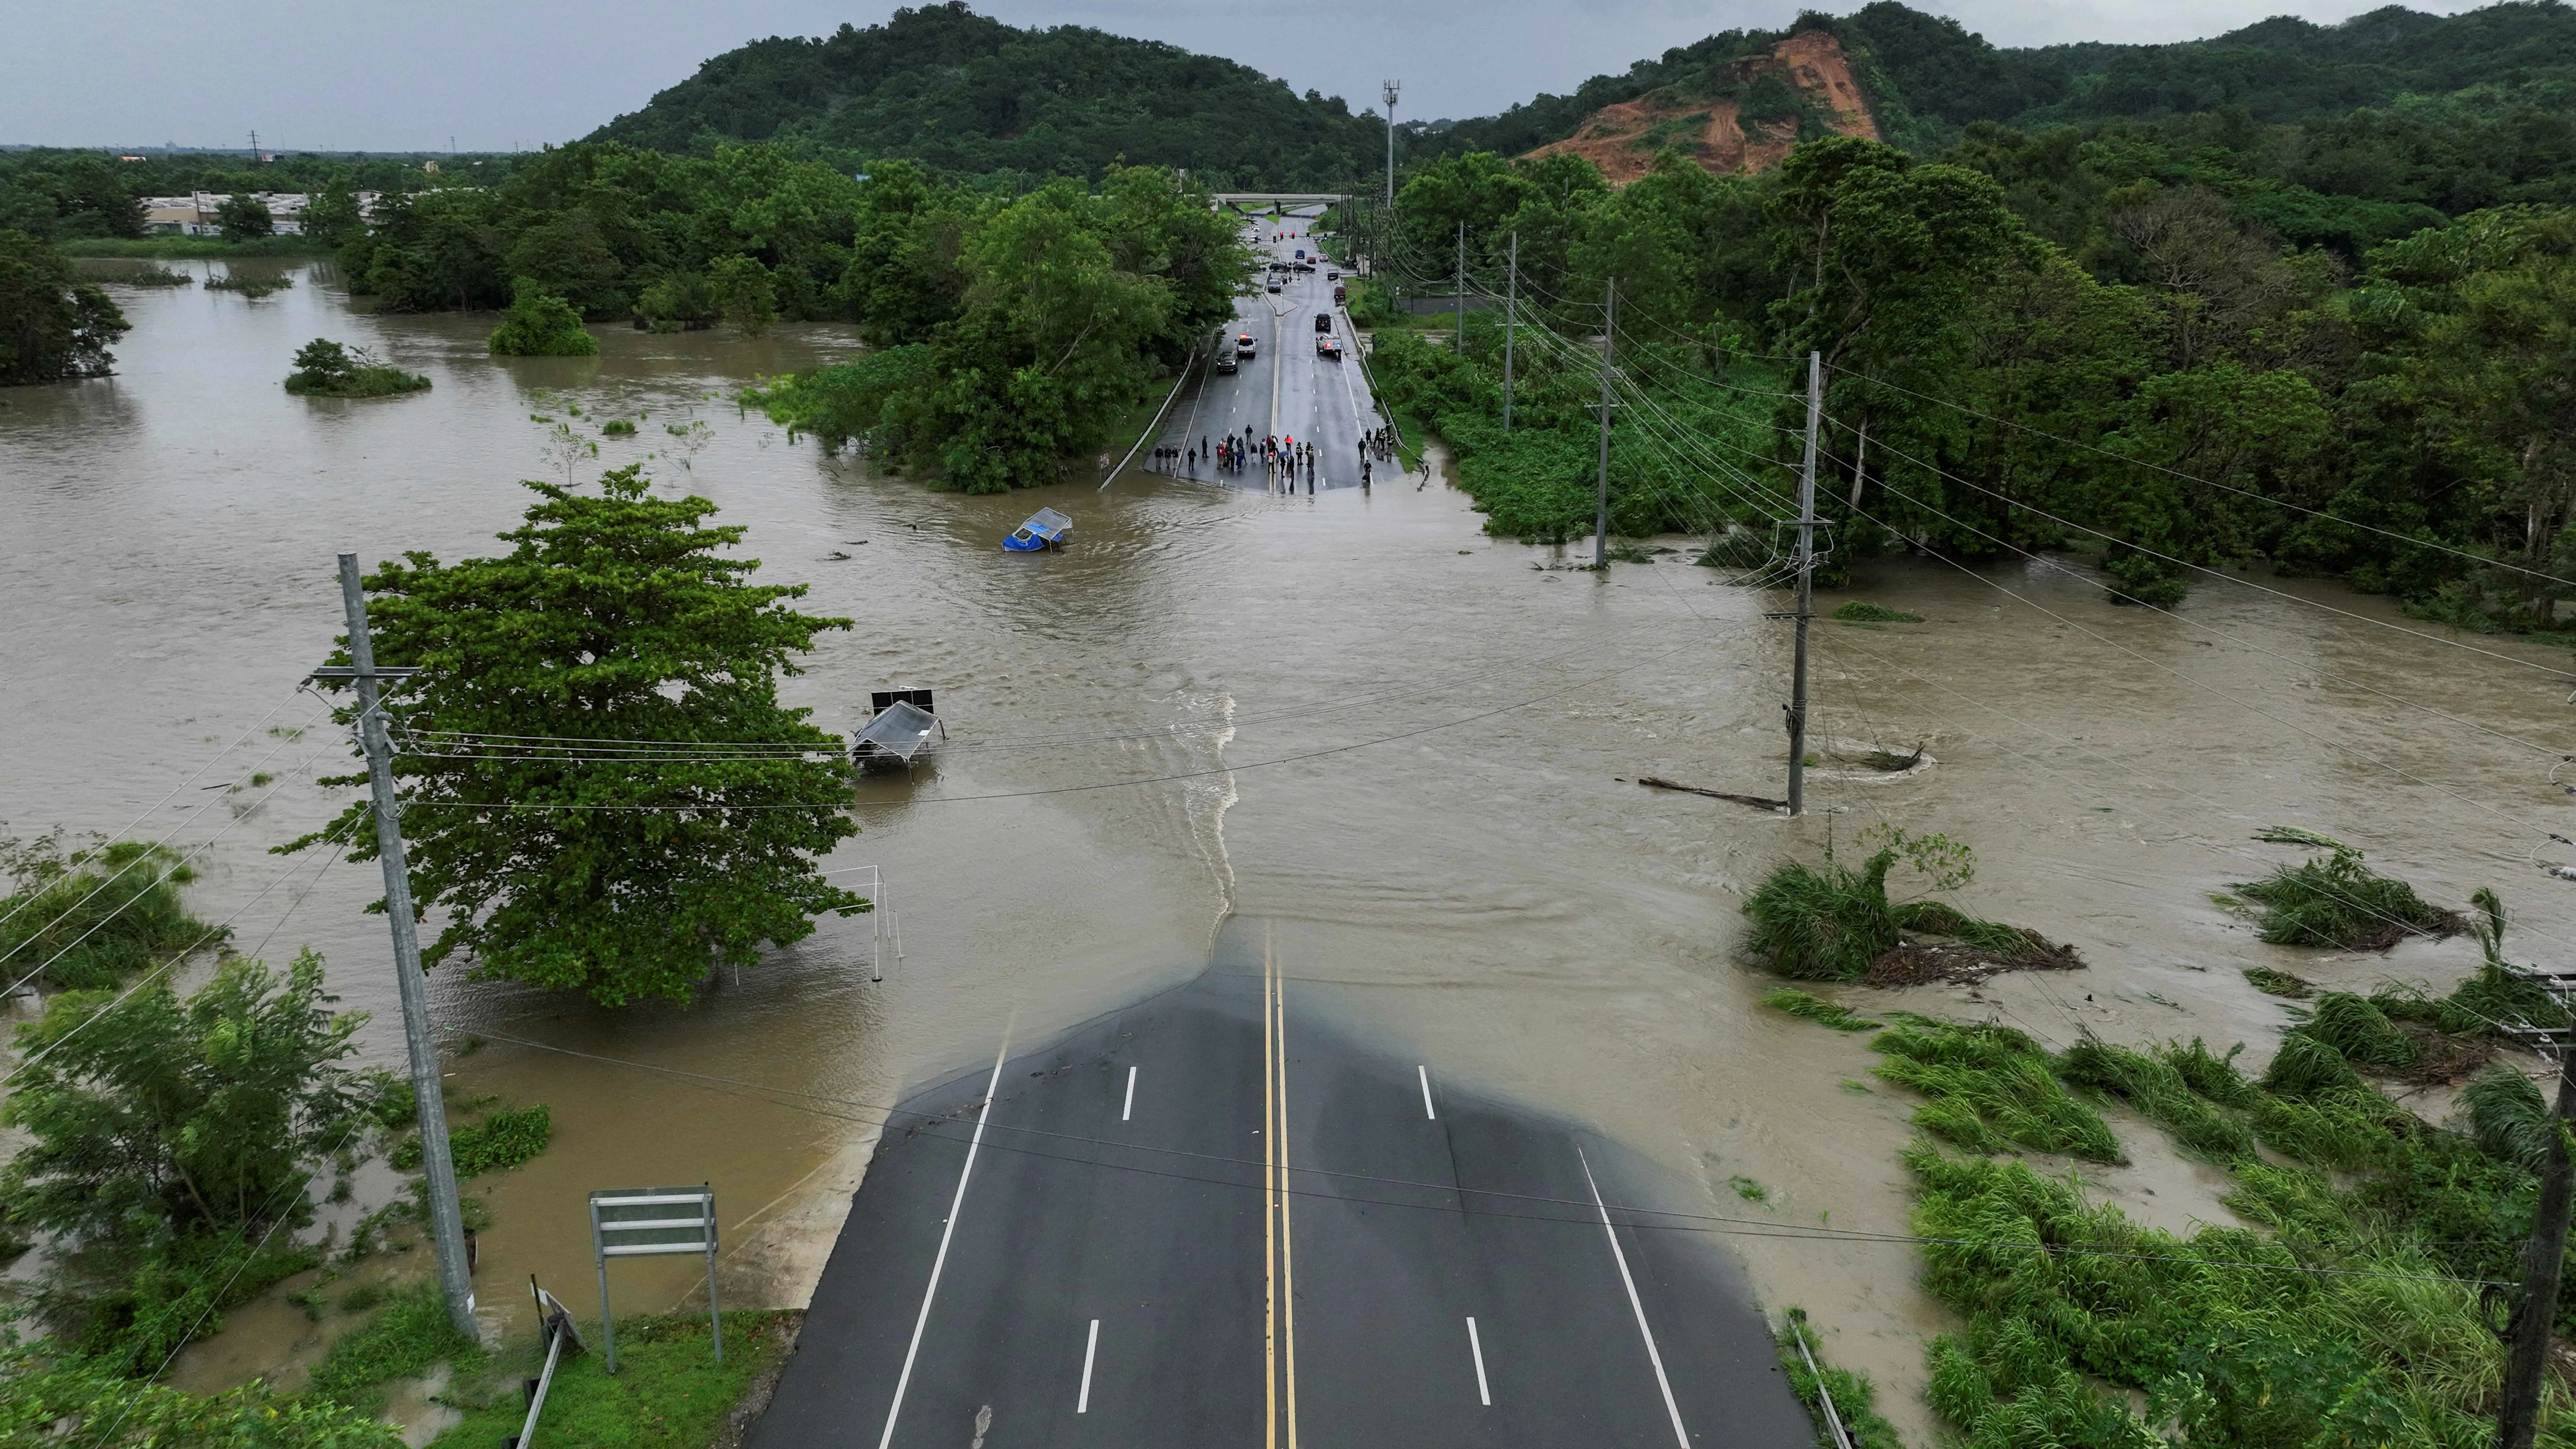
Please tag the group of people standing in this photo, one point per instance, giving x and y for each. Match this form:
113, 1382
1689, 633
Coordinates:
1282, 460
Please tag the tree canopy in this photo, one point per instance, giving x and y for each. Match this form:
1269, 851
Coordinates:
53, 325
619, 625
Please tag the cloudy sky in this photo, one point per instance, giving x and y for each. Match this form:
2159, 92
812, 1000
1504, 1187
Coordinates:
381, 75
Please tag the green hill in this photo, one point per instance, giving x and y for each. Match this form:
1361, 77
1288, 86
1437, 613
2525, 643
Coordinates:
966, 93
1933, 77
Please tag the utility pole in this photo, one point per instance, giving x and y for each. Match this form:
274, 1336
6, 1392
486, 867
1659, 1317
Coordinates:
2526, 1331
1601, 505
1511, 304
446, 1224
1390, 89
1806, 592
1459, 346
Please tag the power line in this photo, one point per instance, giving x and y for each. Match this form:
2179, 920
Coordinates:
2208, 482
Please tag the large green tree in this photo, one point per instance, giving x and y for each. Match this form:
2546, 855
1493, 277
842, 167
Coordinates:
53, 325
555, 812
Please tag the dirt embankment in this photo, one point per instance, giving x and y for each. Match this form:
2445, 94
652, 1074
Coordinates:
1622, 140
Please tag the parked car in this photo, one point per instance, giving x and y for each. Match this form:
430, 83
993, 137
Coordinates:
1340, 296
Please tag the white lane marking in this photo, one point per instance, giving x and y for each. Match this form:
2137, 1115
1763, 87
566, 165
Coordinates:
1427, 1113
1130, 1109
904, 1380
1484, 1395
1090, 1351
1653, 1355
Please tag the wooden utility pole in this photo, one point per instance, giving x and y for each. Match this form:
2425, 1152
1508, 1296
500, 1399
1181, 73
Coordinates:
1601, 502
2527, 1331
1806, 591
446, 1223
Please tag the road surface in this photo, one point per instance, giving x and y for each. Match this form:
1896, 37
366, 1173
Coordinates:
1284, 390
1202, 1221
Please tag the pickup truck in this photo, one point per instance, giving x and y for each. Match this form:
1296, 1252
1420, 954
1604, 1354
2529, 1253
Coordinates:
1327, 345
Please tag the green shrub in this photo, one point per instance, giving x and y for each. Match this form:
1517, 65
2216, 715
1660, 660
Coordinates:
154, 277
617, 428
537, 323
498, 1143
2279, 983
411, 1336
1858, 612
250, 286
90, 918
115, 1411
2336, 900
2213, 1077
870, 401
1824, 1013
324, 368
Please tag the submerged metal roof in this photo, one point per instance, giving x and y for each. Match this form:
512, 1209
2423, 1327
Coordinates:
901, 729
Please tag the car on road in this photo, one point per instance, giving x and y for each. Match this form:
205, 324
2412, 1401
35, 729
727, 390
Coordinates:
1274, 285
1323, 321
1327, 345
1332, 274
1243, 343
1225, 357
1339, 295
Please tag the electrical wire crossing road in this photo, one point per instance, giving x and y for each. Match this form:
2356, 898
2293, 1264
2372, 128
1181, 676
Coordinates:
1205, 1221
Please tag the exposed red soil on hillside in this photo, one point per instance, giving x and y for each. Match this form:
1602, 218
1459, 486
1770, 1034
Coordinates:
1622, 140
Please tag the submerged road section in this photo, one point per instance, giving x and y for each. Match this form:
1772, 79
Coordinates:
1201, 1222
1284, 390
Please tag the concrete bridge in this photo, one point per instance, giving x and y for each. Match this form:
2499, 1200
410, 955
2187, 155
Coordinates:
1249, 199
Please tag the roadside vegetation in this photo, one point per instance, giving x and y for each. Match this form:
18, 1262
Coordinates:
324, 368
2346, 1309
668, 1392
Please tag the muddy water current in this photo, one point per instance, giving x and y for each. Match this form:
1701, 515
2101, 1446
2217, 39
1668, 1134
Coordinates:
1410, 748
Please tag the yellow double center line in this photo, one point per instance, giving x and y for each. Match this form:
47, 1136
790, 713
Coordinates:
1279, 1260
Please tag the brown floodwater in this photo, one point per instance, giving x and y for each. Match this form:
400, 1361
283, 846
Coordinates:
1409, 747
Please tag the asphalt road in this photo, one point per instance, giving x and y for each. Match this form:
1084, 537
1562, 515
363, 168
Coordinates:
1284, 390
1203, 1221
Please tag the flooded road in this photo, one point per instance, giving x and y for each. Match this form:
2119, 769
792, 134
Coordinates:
1409, 747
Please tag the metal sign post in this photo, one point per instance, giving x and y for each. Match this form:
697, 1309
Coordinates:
647, 1222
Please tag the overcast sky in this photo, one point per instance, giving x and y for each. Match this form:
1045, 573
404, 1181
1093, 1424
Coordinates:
385, 76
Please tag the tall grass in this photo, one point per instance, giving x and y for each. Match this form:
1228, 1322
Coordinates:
1991, 1089
2084, 1328
1822, 1012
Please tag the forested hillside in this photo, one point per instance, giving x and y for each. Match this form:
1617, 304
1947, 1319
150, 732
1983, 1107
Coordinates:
961, 92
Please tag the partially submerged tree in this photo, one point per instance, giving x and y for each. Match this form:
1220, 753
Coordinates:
170, 1139
613, 860
244, 216
537, 323
53, 325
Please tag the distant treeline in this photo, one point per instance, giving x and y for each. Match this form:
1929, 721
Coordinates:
66, 195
